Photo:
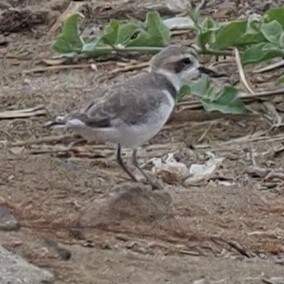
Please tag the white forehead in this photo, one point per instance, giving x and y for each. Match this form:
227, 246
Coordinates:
177, 58
173, 54
175, 50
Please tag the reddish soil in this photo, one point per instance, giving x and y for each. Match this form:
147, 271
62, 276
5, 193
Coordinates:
226, 229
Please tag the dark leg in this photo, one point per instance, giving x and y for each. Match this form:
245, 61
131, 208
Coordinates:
137, 166
120, 162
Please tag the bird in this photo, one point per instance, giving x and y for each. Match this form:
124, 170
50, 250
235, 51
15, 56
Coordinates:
131, 112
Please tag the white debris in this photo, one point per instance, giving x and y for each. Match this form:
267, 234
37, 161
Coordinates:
202, 172
173, 171
226, 183
170, 170
179, 23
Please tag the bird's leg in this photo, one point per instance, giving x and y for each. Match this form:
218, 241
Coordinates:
155, 185
121, 163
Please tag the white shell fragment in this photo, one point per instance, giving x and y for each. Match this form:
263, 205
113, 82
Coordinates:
170, 170
179, 23
202, 172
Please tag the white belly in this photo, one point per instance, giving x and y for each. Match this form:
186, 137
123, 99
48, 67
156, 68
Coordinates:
131, 136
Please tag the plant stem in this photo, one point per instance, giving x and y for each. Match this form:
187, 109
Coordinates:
131, 49
263, 94
155, 49
216, 52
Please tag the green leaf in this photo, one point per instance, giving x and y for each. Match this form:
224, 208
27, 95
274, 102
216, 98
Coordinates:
261, 52
281, 80
110, 32
194, 15
117, 33
197, 88
96, 47
238, 33
281, 40
90, 44
152, 33
184, 91
69, 41
200, 87
209, 24
126, 32
225, 100
207, 32
253, 24
206, 38
272, 31
229, 35
276, 14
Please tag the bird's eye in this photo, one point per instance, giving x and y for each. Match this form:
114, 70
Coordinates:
186, 61
183, 64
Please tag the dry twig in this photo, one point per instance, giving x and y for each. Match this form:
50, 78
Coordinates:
48, 139
56, 68
241, 71
22, 113
269, 67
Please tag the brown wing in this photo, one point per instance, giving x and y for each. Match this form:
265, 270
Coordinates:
128, 106
124, 103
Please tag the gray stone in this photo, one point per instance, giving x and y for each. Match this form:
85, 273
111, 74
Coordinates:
16, 270
128, 201
57, 250
8, 221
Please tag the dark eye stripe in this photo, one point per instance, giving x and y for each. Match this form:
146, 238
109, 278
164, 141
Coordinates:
186, 60
183, 64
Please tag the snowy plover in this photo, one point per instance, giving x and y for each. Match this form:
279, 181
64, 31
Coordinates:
134, 110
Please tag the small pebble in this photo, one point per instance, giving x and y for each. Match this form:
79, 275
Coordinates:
63, 253
8, 221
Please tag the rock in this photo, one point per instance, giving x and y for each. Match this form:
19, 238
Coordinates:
17, 20
8, 221
16, 270
138, 9
127, 202
58, 250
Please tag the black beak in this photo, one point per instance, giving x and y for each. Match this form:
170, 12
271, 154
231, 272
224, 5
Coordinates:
210, 72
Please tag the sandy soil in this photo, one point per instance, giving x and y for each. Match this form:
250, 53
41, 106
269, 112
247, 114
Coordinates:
79, 216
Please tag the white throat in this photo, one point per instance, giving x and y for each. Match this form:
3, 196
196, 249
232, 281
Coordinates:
173, 78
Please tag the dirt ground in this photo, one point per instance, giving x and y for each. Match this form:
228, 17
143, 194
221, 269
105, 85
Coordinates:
79, 216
